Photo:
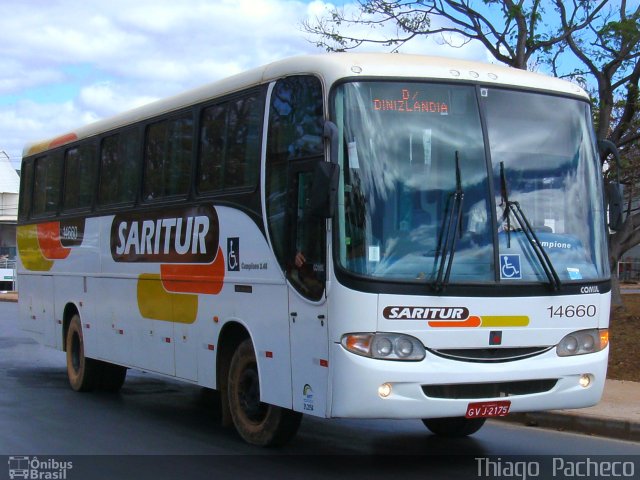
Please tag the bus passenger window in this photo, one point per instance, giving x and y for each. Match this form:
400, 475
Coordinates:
167, 158
229, 156
46, 188
26, 190
79, 177
243, 138
119, 168
212, 146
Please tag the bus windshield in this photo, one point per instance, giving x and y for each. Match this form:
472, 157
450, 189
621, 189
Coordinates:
430, 171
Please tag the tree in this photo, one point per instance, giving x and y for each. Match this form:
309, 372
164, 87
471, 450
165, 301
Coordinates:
608, 50
593, 42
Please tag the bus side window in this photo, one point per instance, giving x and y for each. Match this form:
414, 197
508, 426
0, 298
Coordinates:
212, 146
46, 185
119, 168
167, 158
26, 189
229, 151
79, 177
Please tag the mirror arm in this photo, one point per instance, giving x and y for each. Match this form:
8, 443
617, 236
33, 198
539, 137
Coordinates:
608, 147
331, 134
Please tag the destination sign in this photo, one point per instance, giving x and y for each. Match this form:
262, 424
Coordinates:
411, 102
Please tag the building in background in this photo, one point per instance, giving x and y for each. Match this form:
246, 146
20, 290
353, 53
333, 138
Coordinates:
9, 189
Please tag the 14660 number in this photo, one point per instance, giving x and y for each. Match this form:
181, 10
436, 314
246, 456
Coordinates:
571, 311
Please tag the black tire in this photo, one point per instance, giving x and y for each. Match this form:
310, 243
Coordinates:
112, 377
454, 427
257, 423
83, 373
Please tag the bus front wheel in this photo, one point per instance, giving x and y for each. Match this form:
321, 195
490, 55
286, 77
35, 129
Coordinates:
454, 427
257, 423
81, 371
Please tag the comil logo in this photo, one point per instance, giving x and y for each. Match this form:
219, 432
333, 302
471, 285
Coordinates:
38, 469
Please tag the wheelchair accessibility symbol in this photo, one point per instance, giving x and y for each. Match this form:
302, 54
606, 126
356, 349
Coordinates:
510, 267
233, 254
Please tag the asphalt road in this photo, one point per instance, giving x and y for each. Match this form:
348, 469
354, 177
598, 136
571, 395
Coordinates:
159, 428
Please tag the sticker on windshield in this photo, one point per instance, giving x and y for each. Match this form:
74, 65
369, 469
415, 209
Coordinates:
510, 267
352, 152
574, 273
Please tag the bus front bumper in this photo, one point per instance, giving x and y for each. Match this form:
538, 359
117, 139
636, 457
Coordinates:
356, 382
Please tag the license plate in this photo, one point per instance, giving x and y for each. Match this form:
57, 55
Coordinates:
488, 409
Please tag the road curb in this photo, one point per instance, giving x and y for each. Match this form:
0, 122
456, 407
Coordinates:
603, 427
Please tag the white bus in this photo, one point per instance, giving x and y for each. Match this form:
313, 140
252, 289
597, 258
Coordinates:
342, 235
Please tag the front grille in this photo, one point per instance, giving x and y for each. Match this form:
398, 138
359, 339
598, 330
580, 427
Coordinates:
489, 390
490, 355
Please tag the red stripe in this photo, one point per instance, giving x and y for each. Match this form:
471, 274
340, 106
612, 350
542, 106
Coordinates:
56, 142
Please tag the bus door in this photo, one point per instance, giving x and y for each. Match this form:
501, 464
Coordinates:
306, 272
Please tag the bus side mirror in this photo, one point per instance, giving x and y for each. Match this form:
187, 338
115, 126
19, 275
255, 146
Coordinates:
325, 177
324, 190
614, 193
615, 198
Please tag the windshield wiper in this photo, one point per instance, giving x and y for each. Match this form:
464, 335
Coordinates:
449, 232
513, 208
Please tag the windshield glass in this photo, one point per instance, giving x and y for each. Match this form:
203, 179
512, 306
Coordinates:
545, 146
415, 193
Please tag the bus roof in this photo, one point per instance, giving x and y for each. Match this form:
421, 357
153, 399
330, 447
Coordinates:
330, 67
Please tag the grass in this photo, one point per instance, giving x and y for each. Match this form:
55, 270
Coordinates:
624, 338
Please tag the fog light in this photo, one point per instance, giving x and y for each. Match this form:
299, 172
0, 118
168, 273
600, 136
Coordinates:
384, 390
585, 380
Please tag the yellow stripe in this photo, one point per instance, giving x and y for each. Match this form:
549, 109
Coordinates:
29, 249
38, 147
155, 303
505, 321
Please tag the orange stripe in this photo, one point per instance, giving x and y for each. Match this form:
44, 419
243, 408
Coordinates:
56, 142
194, 278
49, 240
470, 322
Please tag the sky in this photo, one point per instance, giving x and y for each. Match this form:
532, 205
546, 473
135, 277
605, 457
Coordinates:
66, 63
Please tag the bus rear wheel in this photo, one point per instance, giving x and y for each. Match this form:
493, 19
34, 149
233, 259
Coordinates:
257, 423
454, 427
81, 371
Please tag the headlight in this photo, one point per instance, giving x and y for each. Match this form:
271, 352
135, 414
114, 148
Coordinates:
584, 341
386, 346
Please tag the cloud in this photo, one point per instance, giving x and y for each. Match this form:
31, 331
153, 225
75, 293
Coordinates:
66, 63
105, 99
80, 61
